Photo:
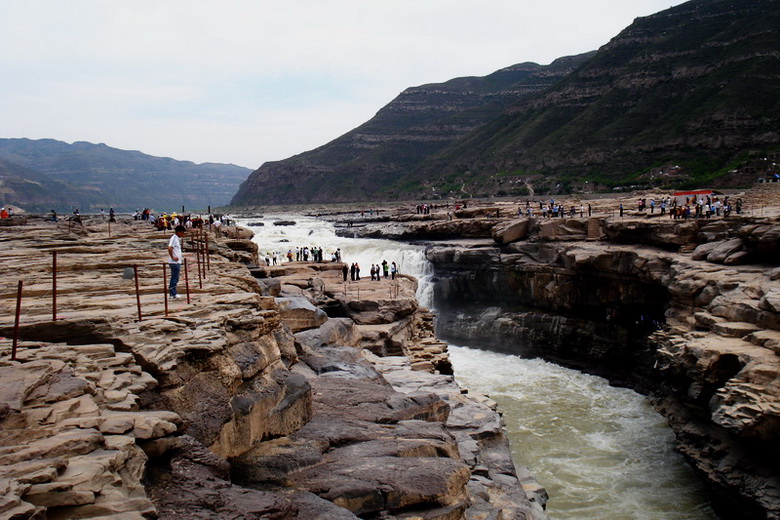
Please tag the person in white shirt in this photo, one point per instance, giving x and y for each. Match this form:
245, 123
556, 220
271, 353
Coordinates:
175, 256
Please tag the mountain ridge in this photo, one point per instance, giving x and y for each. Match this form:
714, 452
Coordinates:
91, 176
681, 98
417, 123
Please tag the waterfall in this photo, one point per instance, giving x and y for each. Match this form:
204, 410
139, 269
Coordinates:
315, 232
602, 452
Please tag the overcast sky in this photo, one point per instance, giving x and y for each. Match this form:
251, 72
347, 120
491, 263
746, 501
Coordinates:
244, 82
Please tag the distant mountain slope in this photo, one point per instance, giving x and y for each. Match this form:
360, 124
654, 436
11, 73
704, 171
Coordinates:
689, 96
93, 176
421, 121
697, 85
21, 187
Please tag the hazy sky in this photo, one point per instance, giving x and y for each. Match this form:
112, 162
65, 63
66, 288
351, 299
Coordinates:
244, 82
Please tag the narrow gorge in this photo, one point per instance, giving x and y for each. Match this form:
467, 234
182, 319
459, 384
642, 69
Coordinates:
683, 310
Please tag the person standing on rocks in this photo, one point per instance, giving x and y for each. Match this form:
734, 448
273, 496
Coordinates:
385, 268
175, 259
345, 271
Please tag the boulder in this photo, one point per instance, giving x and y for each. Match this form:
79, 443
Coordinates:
372, 312
702, 251
300, 314
724, 249
270, 286
513, 230
345, 362
373, 484
335, 331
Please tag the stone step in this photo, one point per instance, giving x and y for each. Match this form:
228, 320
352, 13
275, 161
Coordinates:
735, 329
707, 320
594, 229
766, 338
422, 366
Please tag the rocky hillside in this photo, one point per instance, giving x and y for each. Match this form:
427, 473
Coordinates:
684, 97
367, 162
20, 186
695, 86
39, 175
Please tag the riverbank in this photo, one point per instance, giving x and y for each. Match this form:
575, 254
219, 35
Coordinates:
680, 309
247, 398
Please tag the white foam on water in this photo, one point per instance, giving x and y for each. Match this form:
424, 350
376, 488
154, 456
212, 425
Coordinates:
602, 452
315, 232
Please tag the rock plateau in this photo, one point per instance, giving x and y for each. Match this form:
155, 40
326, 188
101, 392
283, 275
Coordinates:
276, 393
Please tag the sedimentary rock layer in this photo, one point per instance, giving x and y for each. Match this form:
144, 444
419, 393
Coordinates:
684, 309
242, 399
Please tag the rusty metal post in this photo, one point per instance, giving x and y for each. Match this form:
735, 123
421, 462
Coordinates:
165, 287
187, 281
54, 286
137, 292
197, 258
208, 255
109, 228
201, 241
16, 322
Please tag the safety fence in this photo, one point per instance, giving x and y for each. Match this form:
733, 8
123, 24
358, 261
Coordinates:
198, 244
352, 288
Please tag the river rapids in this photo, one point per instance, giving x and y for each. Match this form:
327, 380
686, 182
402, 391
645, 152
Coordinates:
601, 452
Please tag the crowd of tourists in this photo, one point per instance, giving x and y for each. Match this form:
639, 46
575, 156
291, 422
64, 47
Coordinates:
385, 269
555, 210
169, 221
693, 206
301, 254
377, 271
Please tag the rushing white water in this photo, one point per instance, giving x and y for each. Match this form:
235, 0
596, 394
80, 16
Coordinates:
601, 452
315, 232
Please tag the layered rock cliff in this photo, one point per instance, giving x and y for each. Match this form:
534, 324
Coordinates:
247, 401
366, 163
684, 97
682, 309
690, 87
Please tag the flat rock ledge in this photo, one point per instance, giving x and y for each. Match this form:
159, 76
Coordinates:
246, 399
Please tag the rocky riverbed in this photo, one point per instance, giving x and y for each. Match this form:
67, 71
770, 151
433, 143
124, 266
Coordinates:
269, 392
684, 310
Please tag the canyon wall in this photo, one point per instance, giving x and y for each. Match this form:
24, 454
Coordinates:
684, 310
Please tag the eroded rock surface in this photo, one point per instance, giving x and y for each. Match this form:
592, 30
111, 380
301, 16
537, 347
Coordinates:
684, 310
242, 400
